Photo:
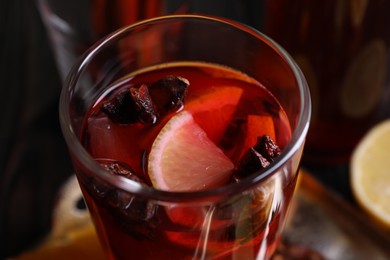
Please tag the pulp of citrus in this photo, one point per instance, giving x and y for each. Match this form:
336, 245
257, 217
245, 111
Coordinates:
370, 178
214, 110
183, 158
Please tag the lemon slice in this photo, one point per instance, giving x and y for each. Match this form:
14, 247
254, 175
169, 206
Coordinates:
183, 158
370, 175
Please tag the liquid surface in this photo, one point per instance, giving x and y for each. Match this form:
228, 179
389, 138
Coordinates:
234, 110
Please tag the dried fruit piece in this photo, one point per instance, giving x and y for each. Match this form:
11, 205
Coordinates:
143, 104
250, 162
134, 214
118, 168
113, 197
256, 158
120, 108
247, 131
267, 147
131, 106
168, 93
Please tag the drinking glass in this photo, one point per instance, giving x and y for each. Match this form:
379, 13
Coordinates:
242, 220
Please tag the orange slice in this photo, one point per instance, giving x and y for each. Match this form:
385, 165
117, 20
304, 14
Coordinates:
214, 110
183, 158
254, 127
258, 125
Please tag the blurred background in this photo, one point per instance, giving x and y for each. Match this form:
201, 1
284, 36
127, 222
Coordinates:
33, 158
330, 40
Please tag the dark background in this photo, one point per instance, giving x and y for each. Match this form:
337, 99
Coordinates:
33, 156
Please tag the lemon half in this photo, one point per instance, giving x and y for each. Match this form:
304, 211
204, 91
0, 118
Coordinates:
370, 172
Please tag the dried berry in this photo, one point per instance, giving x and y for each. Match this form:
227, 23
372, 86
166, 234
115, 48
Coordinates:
143, 104
120, 108
115, 198
168, 93
131, 106
250, 162
121, 169
136, 215
138, 218
267, 147
256, 158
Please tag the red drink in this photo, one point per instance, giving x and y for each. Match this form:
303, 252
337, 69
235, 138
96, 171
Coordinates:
237, 110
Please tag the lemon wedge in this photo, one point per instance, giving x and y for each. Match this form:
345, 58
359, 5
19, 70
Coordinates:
183, 158
370, 172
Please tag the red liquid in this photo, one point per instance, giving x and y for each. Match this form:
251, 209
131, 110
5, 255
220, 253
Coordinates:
342, 48
132, 226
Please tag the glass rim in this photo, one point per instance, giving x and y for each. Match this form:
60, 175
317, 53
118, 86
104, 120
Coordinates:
82, 155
